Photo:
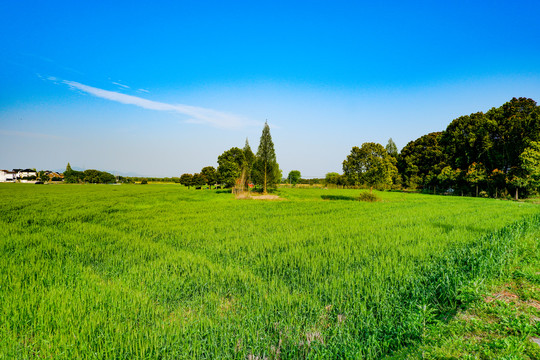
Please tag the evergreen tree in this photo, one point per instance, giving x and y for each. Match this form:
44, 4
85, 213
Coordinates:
249, 157
391, 148
266, 169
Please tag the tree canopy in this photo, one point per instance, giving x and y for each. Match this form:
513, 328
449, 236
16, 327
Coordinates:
370, 164
231, 163
294, 177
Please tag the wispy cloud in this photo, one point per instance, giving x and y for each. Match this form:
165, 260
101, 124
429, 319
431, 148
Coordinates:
29, 134
122, 85
197, 114
143, 90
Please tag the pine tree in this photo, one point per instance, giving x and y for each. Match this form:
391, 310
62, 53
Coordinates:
266, 169
249, 160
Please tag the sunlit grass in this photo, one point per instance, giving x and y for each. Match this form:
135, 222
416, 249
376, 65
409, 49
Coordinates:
97, 271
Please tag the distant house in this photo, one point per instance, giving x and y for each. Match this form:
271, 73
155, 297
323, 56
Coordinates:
54, 175
25, 174
8, 176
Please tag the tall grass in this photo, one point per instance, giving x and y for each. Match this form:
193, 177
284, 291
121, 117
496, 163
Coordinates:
159, 271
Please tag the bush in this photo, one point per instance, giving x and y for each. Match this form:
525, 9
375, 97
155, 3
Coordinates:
144, 182
483, 194
368, 196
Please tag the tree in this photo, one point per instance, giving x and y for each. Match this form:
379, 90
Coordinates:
370, 164
332, 178
497, 178
199, 179
530, 163
71, 176
294, 177
186, 180
391, 148
249, 160
421, 160
231, 163
476, 175
266, 170
447, 177
210, 174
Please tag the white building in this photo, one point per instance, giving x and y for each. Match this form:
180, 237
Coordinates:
26, 173
7, 176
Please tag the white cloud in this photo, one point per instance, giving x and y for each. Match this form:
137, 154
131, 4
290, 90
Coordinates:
143, 90
122, 85
196, 114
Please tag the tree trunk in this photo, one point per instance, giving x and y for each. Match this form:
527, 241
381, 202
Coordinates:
517, 194
371, 189
264, 189
476, 190
496, 192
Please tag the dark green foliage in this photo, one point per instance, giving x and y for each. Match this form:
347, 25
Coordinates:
90, 176
493, 141
230, 167
266, 172
249, 161
209, 172
186, 180
144, 182
421, 160
199, 180
294, 177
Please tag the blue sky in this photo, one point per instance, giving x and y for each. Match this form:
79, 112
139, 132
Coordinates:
163, 88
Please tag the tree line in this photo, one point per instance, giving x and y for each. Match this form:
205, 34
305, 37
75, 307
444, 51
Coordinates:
87, 176
482, 154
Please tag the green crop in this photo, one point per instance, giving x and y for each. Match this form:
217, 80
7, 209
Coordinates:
160, 271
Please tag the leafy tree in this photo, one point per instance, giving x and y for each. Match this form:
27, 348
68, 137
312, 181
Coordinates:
186, 180
209, 172
71, 176
476, 175
469, 139
266, 170
294, 177
199, 179
497, 178
370, 164
231, 163
518, 179
421, 160
391, 148
530, 163
333, 178
447, 177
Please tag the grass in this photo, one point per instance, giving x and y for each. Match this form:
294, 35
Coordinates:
159, 271
501, 319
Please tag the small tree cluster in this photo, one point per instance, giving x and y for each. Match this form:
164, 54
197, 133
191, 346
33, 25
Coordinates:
261, 168
207, 176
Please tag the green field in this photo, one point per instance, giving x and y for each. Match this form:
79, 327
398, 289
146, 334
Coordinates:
160, 271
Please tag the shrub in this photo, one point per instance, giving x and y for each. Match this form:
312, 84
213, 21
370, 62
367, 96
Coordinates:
368, 196
144, 181
483, 194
